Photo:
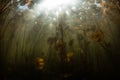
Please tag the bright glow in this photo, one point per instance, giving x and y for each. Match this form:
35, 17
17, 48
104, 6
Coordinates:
67, 12
51, 4
57, 13
54, 19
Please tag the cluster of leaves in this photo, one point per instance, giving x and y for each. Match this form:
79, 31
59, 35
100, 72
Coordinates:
98, 35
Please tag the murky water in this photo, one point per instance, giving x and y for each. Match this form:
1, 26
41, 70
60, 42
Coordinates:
59, 39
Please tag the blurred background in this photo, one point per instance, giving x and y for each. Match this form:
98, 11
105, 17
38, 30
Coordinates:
59, 39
